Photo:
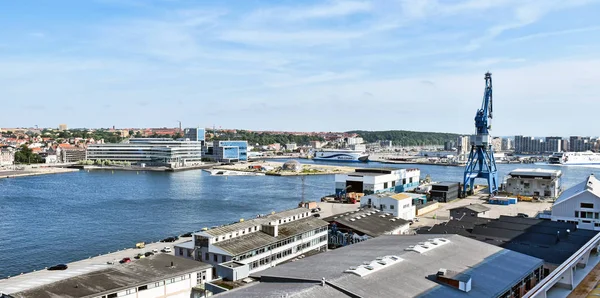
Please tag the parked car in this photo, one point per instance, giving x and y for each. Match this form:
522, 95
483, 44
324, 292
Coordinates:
149, 253
125, 260
140, 256
186, 235
112, 262
170, 239
59, 267
522, 215
155, 250
167, 249
317, 215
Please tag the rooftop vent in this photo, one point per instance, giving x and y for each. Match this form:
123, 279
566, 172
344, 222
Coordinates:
454, 279
352, 219
422, 247
369, 267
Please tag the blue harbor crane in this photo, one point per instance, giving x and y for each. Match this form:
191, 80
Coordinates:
481, 163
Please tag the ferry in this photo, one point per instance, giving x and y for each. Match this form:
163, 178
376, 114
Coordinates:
232, 173
575, 158
341, 155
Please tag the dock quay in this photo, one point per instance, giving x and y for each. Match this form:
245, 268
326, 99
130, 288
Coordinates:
30, 280
147, 168
34, 172
278, 169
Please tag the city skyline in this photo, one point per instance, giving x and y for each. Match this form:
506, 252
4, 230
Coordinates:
319, 66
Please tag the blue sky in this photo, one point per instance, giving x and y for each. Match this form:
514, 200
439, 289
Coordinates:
302, 65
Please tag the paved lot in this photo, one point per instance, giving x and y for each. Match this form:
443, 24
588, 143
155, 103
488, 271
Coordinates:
329, 209
38, 278
443, 213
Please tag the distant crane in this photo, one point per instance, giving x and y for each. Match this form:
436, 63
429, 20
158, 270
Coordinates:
481, 163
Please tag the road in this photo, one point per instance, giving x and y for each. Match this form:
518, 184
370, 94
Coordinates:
37, 278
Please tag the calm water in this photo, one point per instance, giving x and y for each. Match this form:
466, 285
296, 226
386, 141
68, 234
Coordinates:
45, 220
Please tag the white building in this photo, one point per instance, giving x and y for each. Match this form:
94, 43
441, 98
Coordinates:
534, 183
580, 204
262, 242
376, 180
149, 151
7, 157
161, 275
507, 144
399, 205
291, 146
354, 140
463, 145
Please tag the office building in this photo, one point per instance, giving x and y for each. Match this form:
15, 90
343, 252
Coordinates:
540, 183
507, 144
260, 243
227, 151
149, 151
316, 144
354, 140
291, 146
195, 134
385, 144
72, 154
399, 205
448, 145
580, 144
161, 275
7, 157
62, 127
376, 180
565, 145
497, 143
446, 266
580, 205
463, 145
553, 144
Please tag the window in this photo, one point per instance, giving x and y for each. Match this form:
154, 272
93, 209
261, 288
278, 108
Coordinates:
385, 185
181, 251
223, 259
215, 257
576, 213
114, 295
587, 205
206, 256
393, 183
143, 288
596, 215
391, 206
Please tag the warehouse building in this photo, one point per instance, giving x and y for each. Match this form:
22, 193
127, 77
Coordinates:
402, 266
376, 180
472, 210
534, 183
161, 275
580, 205
363, 224
445, 191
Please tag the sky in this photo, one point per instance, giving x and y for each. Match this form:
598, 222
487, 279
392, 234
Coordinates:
301, 65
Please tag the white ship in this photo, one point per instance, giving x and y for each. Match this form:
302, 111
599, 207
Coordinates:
575, 158
232, 173
341, 155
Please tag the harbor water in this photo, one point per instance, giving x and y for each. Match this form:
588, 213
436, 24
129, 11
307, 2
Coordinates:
51, 219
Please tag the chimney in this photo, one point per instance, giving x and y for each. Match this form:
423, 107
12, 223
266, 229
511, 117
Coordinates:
454, 279
323, 281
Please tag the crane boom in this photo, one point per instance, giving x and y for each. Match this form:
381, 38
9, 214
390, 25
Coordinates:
481, 163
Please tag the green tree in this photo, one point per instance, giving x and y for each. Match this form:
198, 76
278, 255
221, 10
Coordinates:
26, 155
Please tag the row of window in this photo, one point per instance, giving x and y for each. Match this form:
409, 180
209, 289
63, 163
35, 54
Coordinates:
148, 286
587, 214
215, 258
285, 253
280, 243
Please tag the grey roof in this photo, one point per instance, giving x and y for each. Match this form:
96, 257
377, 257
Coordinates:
244, 243
283, 289
493, 270
372, 224
474, 207
117, 278
187, 244
590, 184
254, 222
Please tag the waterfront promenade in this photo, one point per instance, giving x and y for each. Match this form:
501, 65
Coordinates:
33, 172
41, 277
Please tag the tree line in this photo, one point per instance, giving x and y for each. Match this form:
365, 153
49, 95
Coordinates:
254, 138
406, 138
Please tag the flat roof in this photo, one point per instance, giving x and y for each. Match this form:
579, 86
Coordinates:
474, 207
248, 242
116, 278
187, 244
493, 270
234, 227
534, 237
368, 221
536, 172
